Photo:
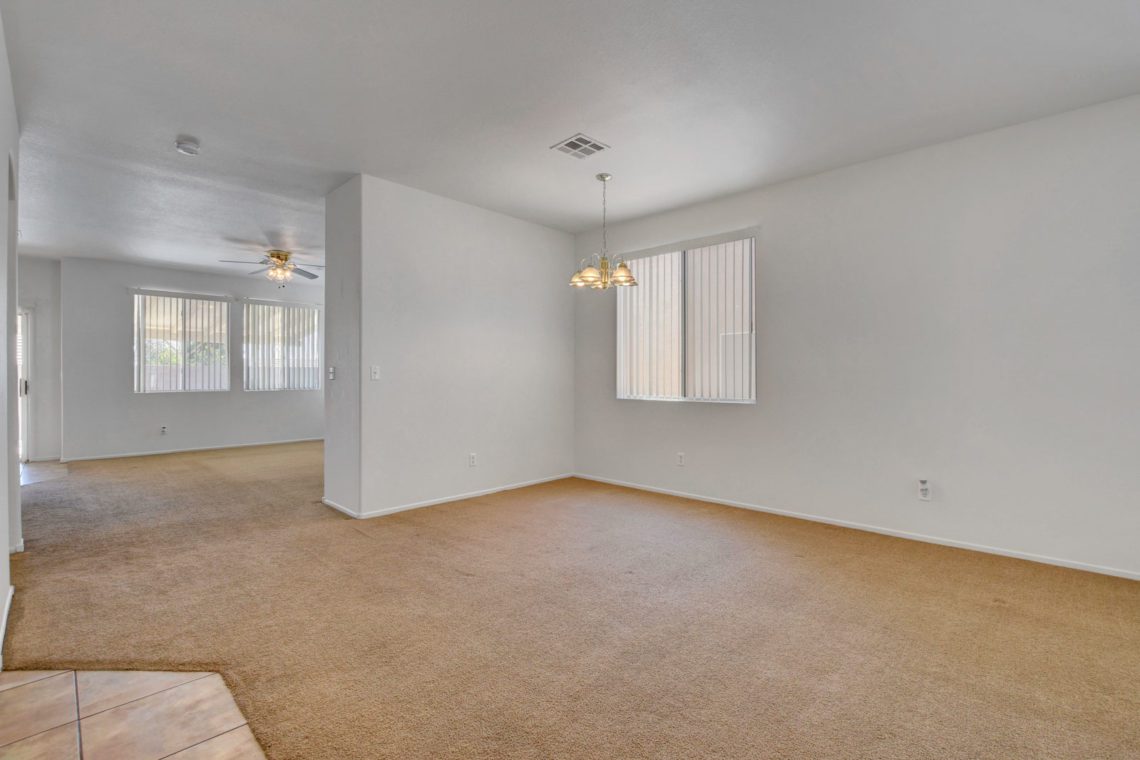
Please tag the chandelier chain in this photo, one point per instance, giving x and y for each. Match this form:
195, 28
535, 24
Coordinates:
604, 246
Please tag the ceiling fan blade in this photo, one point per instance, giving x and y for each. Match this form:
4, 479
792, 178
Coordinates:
315, 266
303, 273
259, 271
231, 261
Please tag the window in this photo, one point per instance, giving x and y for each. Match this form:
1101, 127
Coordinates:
282, 347
181, 343
685, 333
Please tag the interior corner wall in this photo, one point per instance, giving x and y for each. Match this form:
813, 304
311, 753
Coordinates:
466, 340
39, 296
102, 416
965, 312
10, 533
342, 346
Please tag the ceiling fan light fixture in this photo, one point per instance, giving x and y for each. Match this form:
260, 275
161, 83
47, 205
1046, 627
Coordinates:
279, 276
278, 267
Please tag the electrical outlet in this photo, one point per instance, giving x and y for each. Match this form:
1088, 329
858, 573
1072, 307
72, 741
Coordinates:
680, 459
923, 489
162, 431
332, 373
472, 460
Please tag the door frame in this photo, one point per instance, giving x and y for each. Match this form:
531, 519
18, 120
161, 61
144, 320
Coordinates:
25, 324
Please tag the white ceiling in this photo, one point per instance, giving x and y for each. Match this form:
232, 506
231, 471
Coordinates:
464, 98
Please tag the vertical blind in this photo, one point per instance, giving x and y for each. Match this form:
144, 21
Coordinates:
281, 349
181, 343
718, 291
686, 332
20, 322
650, 316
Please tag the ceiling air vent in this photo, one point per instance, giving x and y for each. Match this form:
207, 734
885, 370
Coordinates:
579, 146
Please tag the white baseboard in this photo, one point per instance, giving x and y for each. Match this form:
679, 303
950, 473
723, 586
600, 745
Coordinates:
184, 451
1130, 574
4, 622
340, 508
443, 500
19, 547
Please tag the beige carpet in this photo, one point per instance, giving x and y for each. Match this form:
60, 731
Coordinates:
569, 620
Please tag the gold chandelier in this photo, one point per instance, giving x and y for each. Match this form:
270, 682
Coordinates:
599, 272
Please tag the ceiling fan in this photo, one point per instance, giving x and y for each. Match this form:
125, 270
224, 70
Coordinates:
277, 267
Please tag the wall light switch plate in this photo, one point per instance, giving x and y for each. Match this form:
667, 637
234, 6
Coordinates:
374, 372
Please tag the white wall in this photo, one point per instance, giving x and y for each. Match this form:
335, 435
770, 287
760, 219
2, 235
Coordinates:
468, 319
342, 345
966, 312
9, 471
39, 295
103, 416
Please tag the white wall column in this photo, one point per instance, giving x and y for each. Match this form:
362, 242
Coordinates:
342, 345
451, 331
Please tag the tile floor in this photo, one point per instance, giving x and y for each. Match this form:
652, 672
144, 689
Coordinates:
38, 472
120, 715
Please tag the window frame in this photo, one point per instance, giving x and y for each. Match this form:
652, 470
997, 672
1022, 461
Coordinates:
683, 247
137, 333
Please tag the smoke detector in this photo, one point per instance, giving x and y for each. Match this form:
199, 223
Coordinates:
579, 146
187, 146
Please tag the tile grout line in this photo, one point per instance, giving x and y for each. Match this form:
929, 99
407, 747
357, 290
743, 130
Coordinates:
52, 728
78, 725
215, 736
78, 722
136, 699
50, 674
38, 733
